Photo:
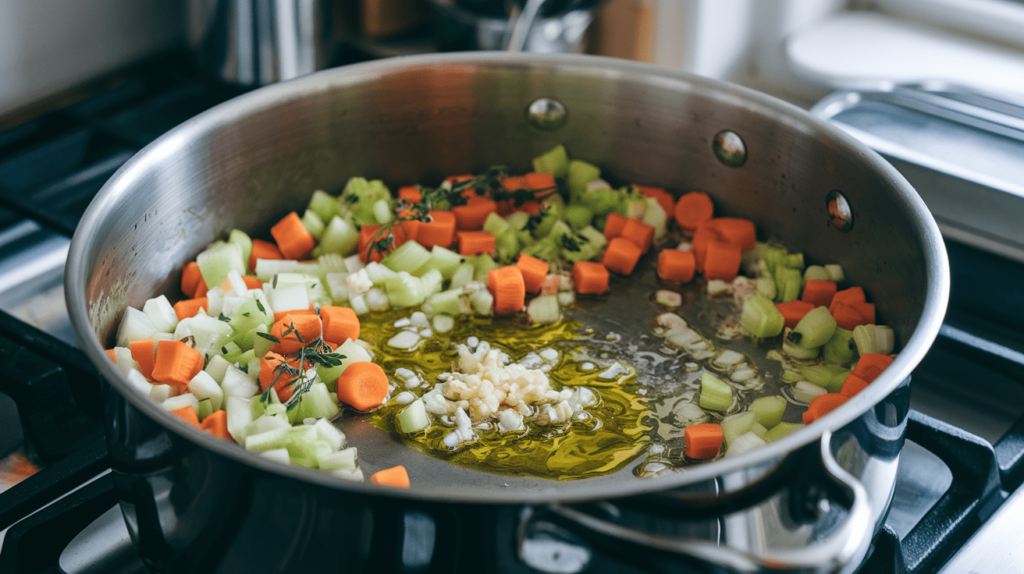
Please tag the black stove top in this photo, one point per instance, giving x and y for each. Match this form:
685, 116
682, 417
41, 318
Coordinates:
955, 473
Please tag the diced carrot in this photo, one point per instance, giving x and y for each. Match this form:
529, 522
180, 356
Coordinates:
282, 314
440, 231
475, 242
395, 477
542, 184
692, 209
411, 227
176, 363
252, 282
664, 198
793, 311
339, 323
531, 207
508, 288
851, 295
190, 279
846, 316
613, 225
867, 310
534, 272
736, 230
621, 255
301, 329
471, 217
675, 265
201, 290
363, 385
217, 424
112, 354
639, 233
187, 414
277, 370
818, 292
368, 235
590, 278
852, 385
699, 244
514, 182
144, 353
190, 307
722, 260
703, 441
822, 405
292, 238
552, 284
410, 193
870, 365
263, 250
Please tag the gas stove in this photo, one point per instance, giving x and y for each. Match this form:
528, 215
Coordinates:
958, 501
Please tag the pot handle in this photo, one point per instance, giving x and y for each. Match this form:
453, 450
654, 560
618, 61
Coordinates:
845, 546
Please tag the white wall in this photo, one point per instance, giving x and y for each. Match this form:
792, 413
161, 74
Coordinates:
47, 46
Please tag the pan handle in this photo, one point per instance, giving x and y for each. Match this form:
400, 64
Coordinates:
844, 547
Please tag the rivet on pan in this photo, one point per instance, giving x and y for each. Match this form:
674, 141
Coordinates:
839, 211
729, 148
547, 114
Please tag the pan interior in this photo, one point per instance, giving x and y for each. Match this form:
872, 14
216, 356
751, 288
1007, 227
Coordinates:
249, 162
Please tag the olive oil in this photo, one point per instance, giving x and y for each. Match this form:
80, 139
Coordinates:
600, 440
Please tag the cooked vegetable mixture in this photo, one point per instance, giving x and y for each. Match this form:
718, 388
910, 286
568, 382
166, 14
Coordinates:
266, 347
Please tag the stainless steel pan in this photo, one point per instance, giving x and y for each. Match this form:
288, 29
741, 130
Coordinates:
253, 159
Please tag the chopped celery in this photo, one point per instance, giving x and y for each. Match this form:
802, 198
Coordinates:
795, 261
769, 410
413, 418
579, 174
430, 283
495, 224
507, 245
482, 265
554, 161
601, 202
407, 257
761, 317
317, 403
482, 302
814, 329
217, 367
885, 339
816, 273
266, 269
361, 196
736, 425
744, 444
216, 262
248, 315
774, 257
205, 409
759, 429
829, 376
404, 290
632, 204
325, 431
766, 287
450, 302
241, 239
279, 455
805, 391
382, 211
264, 441
715, 395
313, 224
593, 236
462, 276
517, 220
326, 206
789, 376
341, 460
656, 217
788, 283
545, 250
835, 272
781, 430
340, 236
378, 273
544, 309
877, 339
548, 217
577, 216
797, 352
239, 415
837, 350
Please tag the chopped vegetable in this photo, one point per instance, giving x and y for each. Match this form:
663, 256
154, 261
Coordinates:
703, 441
395, 477
363, 386
692, 209
621, 255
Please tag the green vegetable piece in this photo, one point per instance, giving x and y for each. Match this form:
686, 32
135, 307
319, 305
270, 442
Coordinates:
580, 173
795, 261
816, 273
759, 429
797, 352
715, 395
814, 329
408, 257
766, 287
340, 236
761, 317
413, 418
495, 224
577, 216
450, 302
462, 275
781, 430
594, 237
555, 161
769, 410
261, 345
444, 260
829, 376
545, 249
775, 257
404, 290
205, 408
864, 339
601, 202
788, 282
241, 239
506, 245
220, 259
326, 206
736, 425
482, 265
361, 196
313, 224
837, 350
835, 272
789, 376
517, 220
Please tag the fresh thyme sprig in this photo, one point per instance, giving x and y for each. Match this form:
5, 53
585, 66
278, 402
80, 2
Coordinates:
315, 352
490, 184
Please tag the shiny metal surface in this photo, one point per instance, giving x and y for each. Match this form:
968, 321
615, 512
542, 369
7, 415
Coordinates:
258, 42
995, 547
547, 114
102, 547
840, 213
459, 29
729, 148
248, 162
960, 148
